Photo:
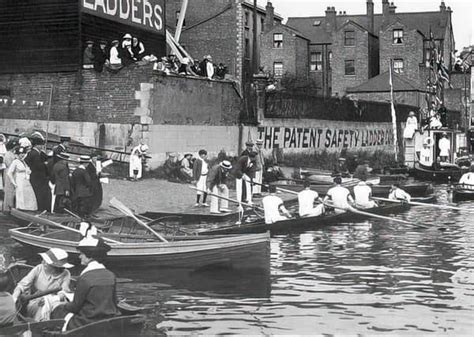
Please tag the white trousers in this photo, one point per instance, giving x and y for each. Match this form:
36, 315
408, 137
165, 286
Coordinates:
223, 192
238, 187
316, 211
257, 189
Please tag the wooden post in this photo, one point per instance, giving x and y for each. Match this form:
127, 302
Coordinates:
49, 116
182, 15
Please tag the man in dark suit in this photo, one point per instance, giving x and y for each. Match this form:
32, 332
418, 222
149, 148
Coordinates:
244, 171
81, 186
60, 178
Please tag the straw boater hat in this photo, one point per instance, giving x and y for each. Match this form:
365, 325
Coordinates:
127, 37
93, 246
84, 159
259, 142
63, 155
226, 164
56, 257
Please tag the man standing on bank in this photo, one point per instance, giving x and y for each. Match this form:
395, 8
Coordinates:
217, 185
244, 172
200, 171
81, 183
60, 178
259, 168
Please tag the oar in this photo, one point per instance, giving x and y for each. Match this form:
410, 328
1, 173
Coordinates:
356, 211
425, 204
228, 199
55, 224
128, 212
278, 188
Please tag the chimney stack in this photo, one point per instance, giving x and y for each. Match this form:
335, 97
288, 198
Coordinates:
269, 16
331, 19
442, 7
370, 16
391, 9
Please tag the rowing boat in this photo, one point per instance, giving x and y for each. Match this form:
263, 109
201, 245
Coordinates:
137, 248
306, 223
444, 174
463, 192
124, 325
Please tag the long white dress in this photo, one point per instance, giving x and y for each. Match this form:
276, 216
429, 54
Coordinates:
136, 162
410, 127
25, 196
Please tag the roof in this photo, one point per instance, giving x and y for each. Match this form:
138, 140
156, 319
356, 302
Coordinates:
380, 83
421, 21
261, 9
293, 30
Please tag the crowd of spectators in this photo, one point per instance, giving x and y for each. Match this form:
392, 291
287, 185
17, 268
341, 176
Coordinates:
130, 50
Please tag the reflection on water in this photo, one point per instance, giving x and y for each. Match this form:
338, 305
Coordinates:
372, 277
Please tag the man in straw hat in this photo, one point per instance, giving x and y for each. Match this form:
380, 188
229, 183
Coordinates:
95, 298
217, 185
81, 185
52, 273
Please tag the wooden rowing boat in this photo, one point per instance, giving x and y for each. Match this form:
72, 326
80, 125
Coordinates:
306, 223
463, 192
124, 326
137, 248
447, 174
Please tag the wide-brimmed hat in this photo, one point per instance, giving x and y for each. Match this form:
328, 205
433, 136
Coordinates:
259, 142
62, 155
127, 37
56, 257
93, 245
226, 164
84, 159
24, 142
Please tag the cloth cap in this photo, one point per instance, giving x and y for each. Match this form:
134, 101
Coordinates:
93, 245
56, 257
84, 159
127, 37
226, 164
259, 142
249, 143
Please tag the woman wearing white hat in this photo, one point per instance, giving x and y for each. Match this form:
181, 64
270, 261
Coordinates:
52, 273
136, 158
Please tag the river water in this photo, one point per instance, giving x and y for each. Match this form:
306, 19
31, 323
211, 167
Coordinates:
373, 277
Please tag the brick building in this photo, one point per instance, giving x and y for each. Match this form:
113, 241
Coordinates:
222, 28
358, 47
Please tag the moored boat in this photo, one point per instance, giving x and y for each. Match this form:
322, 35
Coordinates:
443, 174
135, 247
463, 192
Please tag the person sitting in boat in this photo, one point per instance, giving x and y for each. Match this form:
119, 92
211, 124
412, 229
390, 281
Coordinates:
340, 169
52, 273
306, 200
363, 195
426, 154
340, 196
468, 178
362, 171
95, 298
7, 302
396, 193
273, 207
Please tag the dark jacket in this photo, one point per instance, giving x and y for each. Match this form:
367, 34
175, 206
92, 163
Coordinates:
94, 298
81, 183
60, 178
217, 176
100, 57
242, 166
39, 177
197, 168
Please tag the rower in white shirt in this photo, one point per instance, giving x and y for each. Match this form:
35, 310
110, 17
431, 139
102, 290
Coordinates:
340, 196
396, 193
468, 178
306, 200
363, 195
273, 207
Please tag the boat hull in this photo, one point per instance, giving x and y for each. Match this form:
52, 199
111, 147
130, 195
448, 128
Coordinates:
463, 192
444, 175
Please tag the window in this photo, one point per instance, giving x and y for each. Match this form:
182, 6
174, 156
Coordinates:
349, 38
277, 40
177, 19
398, 66
317, 23
246, 19
316, 61
247, 48
262, 24
278, 69
397, 36
349, 68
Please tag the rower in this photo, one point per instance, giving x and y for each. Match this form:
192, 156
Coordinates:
273, 207
363, 195
468, 178
340, 196
396, 193
95, 297
306, 200
7, 302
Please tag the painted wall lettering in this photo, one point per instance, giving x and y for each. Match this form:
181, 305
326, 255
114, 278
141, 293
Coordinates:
323, 138
145, 14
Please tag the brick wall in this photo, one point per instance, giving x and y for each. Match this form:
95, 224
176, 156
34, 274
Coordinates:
302, 58
410, 51
288, 54
359, 53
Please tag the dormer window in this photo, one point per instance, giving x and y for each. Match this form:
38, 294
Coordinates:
349, 38
397, 36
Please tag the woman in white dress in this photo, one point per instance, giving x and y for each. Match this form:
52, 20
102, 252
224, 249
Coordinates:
136, 156
19, 174
410, 126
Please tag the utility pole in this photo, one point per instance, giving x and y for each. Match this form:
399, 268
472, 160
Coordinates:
254, 42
